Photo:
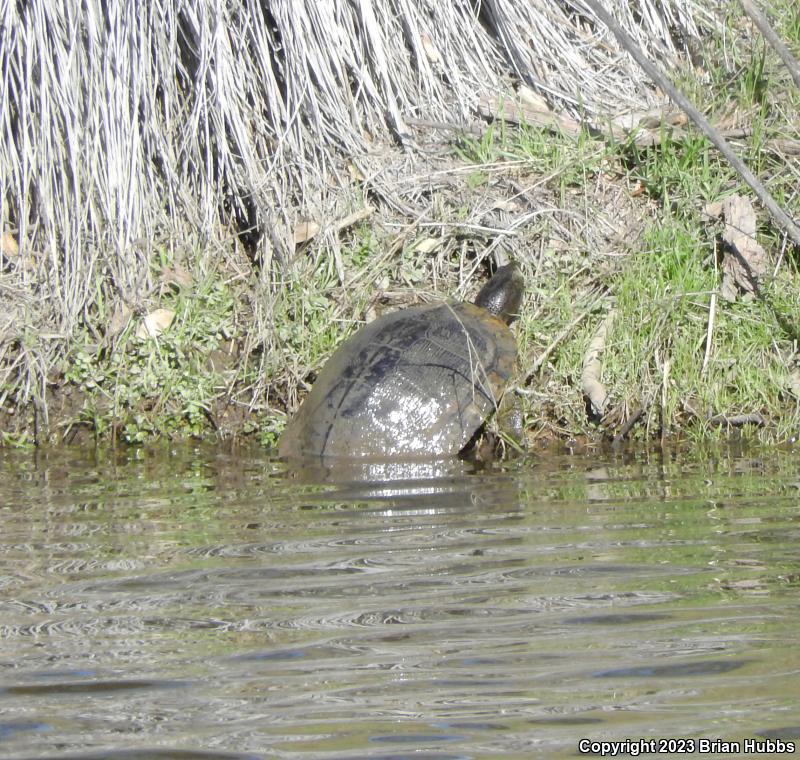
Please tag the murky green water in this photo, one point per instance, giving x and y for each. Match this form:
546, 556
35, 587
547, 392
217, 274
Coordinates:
192, 603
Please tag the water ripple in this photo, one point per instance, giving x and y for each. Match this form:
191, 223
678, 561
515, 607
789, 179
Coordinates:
203, 605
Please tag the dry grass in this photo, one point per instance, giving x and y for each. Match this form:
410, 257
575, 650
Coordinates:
202, 129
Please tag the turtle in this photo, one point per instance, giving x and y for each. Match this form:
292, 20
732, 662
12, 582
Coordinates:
419, 382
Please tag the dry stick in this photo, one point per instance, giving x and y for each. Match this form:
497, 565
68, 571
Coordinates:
658, 77
712, 310
760, 20
630, 422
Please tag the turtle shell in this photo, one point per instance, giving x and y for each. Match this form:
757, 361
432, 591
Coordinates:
417, 382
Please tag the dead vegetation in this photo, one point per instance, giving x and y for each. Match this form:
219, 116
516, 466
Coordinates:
271, 176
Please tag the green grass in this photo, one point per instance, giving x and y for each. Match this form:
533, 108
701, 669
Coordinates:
143, 387
680, 173
658, 278
659, 354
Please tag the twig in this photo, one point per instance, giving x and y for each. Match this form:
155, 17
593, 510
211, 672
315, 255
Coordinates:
760, 20
629, 423
734, 420
351, 219
519, 113
783, 145
494, 107
658, 77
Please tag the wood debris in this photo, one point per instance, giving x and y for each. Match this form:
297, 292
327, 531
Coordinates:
594, 391
538, 115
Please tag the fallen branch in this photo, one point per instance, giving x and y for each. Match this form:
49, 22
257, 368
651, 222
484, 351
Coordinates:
659, 78
734, 420
760, 20
519, 113
647, 133
783, 146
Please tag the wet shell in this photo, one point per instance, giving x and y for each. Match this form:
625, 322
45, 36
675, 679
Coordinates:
415, 383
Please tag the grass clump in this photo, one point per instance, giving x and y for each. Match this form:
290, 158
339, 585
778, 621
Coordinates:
138, 385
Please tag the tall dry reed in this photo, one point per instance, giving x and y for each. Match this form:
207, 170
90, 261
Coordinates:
129, 126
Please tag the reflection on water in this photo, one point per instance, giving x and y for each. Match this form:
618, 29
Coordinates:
193, 603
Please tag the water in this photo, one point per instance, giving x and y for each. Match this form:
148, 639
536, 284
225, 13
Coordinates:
193, 603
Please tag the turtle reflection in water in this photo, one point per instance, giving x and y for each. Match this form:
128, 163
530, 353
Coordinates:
419, 382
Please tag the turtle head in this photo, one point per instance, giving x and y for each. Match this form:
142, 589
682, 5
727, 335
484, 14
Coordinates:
502, 294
